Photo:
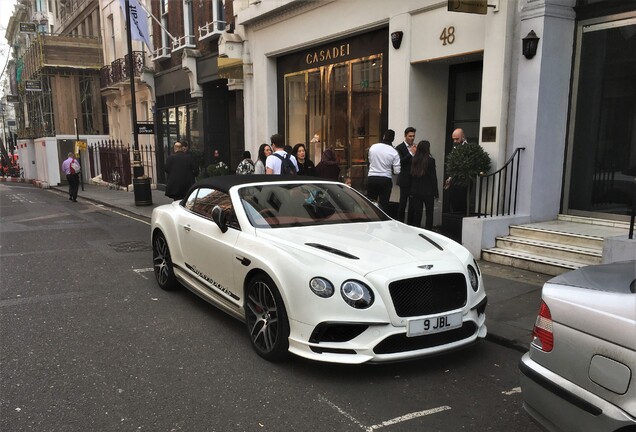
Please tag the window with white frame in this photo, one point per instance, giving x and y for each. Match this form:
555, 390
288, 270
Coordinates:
217, 24
187, 40
188, 21
219, 15
112, 46
164, 22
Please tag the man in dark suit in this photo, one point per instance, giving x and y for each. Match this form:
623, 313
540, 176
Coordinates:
406, 149
182, 172
457, 194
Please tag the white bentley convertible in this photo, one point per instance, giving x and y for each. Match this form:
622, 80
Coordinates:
316, 269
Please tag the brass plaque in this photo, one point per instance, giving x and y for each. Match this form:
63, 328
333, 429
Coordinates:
468, 6
489, 134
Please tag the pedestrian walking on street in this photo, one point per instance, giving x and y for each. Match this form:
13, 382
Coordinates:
71, 168
182, 172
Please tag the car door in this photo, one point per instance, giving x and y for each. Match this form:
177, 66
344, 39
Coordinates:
209, 252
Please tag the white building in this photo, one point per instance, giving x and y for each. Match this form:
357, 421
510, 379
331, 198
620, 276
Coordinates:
333, 68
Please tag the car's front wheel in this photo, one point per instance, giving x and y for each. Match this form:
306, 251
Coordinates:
162, 263
266, 319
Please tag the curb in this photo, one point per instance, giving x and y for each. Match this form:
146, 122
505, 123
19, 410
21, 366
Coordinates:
14, 179
508, 343
104, 203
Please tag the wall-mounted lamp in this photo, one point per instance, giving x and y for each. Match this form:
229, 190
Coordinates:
396, 39
530, 44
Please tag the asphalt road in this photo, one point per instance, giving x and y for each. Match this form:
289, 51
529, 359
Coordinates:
88, 342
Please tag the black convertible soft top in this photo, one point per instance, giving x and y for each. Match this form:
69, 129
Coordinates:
224, 183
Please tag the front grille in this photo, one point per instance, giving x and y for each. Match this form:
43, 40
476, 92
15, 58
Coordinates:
428, 295
401, 343
336, 332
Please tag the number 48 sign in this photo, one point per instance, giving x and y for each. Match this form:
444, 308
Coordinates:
448, 35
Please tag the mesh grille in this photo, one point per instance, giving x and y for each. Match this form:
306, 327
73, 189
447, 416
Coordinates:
428, 295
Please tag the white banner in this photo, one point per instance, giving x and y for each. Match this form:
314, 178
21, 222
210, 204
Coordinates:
138, 20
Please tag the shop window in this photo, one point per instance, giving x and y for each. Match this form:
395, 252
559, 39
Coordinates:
336, 106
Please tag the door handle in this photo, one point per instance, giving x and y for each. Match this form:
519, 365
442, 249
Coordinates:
187, 227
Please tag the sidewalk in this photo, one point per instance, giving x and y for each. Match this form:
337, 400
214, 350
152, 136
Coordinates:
513, 294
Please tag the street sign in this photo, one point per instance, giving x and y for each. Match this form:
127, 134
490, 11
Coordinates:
33, 85
468, 6
145, 128
13, 99
28, 27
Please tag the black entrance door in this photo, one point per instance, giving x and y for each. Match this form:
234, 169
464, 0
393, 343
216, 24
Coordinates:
464, 105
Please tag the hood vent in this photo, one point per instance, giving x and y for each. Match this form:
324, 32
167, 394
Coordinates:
332, 250
431, 242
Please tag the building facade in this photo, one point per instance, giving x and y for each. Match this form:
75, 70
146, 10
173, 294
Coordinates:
55, 77
337, 73
195, 101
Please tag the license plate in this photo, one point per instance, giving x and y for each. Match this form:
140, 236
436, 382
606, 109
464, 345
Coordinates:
434, 324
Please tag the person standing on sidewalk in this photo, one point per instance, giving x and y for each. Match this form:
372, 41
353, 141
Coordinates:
424, 190
182, 172
457, 193
71, 168
384, 161
406, 150
274, 162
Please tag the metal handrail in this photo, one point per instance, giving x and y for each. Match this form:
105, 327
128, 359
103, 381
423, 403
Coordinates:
506, 194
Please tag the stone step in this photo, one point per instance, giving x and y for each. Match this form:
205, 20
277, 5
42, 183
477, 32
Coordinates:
528, 261
561, 251
554, 236
624, 225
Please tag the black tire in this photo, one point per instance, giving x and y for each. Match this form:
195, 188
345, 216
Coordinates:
266, 319
162, 263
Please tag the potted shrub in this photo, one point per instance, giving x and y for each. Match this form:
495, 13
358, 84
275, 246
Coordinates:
217, 169
464, 164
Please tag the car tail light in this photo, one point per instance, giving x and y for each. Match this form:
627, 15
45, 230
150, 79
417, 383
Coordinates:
542, 337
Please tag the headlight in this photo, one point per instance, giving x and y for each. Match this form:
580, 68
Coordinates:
472, 277
356, 294
321, 287
477, 266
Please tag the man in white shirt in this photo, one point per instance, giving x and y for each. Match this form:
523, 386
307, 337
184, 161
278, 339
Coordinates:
384, 161
274, 163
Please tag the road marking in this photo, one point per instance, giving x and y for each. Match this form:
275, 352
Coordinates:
341, 411
512, 391
393, 421
410, 416
144, 270
51, 216
130, 217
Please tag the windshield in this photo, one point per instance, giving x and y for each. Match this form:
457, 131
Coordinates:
307, 204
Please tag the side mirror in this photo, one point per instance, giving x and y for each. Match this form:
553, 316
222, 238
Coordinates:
218, 216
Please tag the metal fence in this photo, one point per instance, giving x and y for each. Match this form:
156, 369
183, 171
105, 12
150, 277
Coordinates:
113, 161
498, 190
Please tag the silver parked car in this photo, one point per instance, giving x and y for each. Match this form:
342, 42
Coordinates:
580, 372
